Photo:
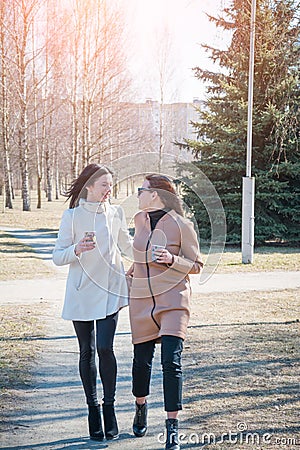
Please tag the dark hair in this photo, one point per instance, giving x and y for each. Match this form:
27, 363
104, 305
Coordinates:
165, 191
87, 177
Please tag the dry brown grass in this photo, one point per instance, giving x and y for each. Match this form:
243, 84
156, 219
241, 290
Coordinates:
20, 328
242, 367
17, 261
47, 218
265, 259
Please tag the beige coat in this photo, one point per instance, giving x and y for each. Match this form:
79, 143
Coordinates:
160, 294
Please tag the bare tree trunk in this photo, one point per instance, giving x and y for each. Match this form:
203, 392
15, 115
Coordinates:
84, 91
12, 185
162, 83
75, 143
132, 186
75, 118
103, 77
39, 190
56, 173
165, 73
161, 136
24, 165
4, 116
7, 180
48, 161
23, 126
48, 175
23, 146
39, 170
48, 105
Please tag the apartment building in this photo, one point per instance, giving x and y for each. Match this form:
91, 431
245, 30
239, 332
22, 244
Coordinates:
154, 127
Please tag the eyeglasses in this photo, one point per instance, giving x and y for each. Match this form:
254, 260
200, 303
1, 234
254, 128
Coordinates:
141, 189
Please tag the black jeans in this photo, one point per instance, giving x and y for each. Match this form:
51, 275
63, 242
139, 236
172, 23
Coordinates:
171, 350
105, 332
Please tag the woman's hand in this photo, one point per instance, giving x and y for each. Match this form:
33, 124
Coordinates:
163, 256
84, 245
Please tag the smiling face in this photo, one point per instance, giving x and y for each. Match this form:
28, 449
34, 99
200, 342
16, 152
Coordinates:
100, 190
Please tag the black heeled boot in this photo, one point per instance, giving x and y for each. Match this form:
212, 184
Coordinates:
172, 442
140, 420
110, 422
95, 424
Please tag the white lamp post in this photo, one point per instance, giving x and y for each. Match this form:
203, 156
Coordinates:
248, 181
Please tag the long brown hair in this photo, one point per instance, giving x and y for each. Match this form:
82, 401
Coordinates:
165, 191
87, 177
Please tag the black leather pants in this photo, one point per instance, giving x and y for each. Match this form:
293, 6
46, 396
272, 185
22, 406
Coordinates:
105, 332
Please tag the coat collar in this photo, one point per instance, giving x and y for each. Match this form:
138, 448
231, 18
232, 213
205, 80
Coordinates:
94, 207
171, 213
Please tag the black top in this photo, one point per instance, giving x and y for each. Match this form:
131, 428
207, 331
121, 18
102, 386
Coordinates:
155, 216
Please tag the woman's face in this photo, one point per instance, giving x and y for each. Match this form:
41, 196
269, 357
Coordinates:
100, 190
145, 196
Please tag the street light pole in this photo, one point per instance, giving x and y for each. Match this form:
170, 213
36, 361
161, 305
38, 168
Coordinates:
248, 181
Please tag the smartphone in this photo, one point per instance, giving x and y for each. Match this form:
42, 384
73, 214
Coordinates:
153, 250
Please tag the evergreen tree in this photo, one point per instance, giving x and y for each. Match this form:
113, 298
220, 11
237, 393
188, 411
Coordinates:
220, 150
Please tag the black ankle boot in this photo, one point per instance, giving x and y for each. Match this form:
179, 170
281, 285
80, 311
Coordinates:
110, 422
172, 442
140, 420
95, 424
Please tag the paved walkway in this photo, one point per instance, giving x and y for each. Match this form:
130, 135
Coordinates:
53, 415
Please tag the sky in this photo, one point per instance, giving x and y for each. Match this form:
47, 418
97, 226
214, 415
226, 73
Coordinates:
188, 28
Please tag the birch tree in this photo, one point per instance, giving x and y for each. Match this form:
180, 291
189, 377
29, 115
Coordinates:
166, 70
20, 20
4, 109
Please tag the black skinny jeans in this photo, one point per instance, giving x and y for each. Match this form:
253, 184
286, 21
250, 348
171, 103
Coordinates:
105, 332
171, 350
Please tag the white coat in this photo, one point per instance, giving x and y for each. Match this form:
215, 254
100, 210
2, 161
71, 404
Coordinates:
96, 285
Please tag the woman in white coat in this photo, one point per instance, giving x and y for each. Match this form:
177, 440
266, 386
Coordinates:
91, 237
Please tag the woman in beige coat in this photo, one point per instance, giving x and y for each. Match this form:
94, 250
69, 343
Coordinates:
166, 251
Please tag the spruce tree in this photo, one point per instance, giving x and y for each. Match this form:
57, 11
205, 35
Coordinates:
220, 149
